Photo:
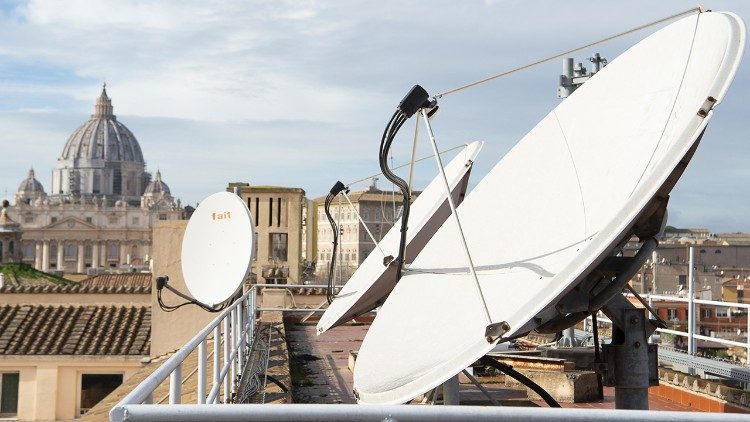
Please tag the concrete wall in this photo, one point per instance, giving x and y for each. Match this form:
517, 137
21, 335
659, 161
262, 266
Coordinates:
263, 203
50, 386
171, 330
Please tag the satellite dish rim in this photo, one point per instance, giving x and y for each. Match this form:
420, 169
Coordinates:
351, 303
617, 226
217, 248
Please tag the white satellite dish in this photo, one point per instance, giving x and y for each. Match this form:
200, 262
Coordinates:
373, 281
217, 248
553, 208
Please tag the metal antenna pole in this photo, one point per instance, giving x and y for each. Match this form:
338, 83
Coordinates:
451, 391
691, 305
452, 205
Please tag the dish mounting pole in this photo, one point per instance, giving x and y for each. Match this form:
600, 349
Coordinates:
454, 213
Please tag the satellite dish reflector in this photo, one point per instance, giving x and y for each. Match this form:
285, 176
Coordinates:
553, 208
217, 249
372, 282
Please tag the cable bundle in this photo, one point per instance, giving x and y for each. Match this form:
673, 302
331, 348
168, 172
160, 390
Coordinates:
335, 190
416, 99
162, 282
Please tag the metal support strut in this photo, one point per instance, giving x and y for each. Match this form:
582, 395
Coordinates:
452, 205
630, 362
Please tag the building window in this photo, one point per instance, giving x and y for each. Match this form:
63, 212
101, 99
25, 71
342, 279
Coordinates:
255, 247
95, 387
117, 182
671, 313
88, 251
113, 251
136, 221
70, 251
278, 246
278, 213
28, 219
28, 251
89, 220
270, 212
113, 219
722, 312
718, 251
162, 217
706, 313
257, 210
53, 220
11, 248
9, 394
97, 184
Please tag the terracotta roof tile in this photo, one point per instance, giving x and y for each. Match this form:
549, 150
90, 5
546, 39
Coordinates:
74, 330
104, 283
115, 281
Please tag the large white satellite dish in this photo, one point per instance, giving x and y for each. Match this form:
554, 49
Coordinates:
553, 208
373, 281
217, 248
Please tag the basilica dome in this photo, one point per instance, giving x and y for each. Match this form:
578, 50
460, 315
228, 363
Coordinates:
157, 194
30, 189
157, 186
103, 137
101, 158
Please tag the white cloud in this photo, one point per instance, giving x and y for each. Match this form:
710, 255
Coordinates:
298, 91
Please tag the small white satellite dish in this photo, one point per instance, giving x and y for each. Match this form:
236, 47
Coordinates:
217, 248
373, 281
553, 208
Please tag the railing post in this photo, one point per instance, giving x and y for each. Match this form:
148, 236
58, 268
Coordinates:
253, 307
217, 357
226, 357
691, 302
651, 305
175, 385
202, 372
240, 339
233, 342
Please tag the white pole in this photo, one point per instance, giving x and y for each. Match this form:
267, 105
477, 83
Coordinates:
227, 341
691, 304
175, 385
217, 364
654, 258
651, 305
202, 372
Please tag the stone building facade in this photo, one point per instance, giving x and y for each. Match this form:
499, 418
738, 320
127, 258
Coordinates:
102, 205
10, 237
278, 217
379, 210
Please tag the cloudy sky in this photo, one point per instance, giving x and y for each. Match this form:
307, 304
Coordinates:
296, 93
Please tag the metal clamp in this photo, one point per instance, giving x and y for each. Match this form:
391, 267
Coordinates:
495, 331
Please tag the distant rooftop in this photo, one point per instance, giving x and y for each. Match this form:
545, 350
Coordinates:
75, 330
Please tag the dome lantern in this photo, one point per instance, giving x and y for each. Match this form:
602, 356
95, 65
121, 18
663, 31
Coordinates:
103, 107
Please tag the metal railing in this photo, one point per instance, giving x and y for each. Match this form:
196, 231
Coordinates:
692, 311
234, 328
690, 334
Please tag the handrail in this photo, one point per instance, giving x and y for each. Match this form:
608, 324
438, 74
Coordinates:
239, 324
144, 391
690, 333
699, 301
416, 413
